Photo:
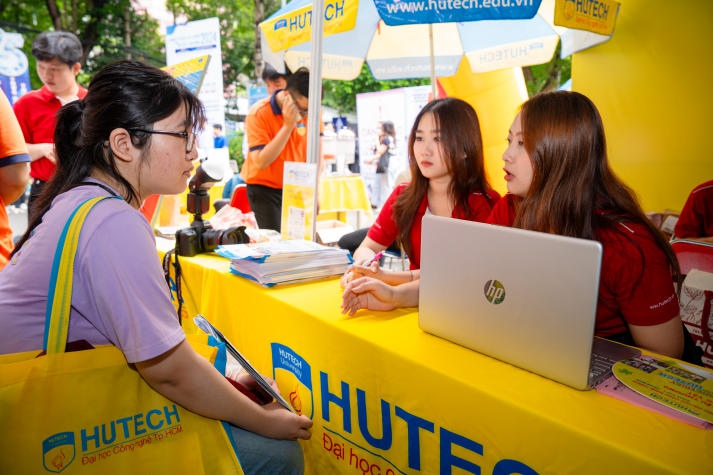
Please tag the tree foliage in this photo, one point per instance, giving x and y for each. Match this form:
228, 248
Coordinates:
341, 95
548, 76
108, 29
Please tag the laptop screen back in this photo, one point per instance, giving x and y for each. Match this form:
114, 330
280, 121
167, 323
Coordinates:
523, 297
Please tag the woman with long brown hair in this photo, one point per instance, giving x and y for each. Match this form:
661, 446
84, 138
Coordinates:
559, 181
445, 150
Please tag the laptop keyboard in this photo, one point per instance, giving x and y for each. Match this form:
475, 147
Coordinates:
604, 354
600, 368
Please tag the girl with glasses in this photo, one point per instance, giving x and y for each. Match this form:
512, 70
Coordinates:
130, 137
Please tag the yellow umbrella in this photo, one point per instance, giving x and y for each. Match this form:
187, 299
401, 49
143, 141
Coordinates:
293, 26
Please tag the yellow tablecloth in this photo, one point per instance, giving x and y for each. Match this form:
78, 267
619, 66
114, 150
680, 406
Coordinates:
387, 398
343, 193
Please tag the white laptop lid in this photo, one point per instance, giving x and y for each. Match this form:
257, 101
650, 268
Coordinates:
524, 297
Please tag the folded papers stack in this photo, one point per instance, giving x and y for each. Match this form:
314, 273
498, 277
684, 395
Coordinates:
286, 261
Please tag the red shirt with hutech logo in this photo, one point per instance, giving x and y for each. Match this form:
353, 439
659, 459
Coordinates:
635, 285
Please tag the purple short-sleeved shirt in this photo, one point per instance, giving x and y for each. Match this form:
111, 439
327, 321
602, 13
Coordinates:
120, 294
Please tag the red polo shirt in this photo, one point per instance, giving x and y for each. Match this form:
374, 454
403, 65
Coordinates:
696, 219
385, 232
635, 285
36, 112
503, 212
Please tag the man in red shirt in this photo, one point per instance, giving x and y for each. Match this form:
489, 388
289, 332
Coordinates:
696, 219
58, 55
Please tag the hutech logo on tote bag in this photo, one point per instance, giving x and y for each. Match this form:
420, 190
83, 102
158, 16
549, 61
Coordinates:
58, 451
110, 439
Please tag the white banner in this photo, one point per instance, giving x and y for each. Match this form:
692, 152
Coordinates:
190, 40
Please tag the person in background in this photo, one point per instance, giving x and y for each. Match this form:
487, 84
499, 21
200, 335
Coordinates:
14, 172
232, 182
58, 55
445, 150
133, 135
273, 80
277, 133
383, 151
218, 137
696, 218
559, 181
229, 92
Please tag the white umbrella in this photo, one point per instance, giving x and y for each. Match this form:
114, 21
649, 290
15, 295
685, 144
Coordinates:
427, 50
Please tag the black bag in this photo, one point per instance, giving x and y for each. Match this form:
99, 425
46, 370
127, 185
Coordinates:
383, 165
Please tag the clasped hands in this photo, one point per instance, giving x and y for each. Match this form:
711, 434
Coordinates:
364, 288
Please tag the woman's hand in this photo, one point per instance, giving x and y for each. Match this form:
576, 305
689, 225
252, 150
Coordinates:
283, 424
368, 293
366, 269
290, 111
292, 427
187, 378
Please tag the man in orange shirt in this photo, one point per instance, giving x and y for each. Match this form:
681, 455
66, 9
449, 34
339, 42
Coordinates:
273, 80
14, 171
276, 128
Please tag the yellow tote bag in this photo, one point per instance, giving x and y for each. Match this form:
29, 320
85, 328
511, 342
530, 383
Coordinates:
89, 412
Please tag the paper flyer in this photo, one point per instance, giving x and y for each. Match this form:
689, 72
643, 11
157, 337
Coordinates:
298, 195
669, 382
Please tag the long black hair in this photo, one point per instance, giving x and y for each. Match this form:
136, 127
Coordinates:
462, 148
127, 94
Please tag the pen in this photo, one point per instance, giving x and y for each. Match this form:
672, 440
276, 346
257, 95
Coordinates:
376, 257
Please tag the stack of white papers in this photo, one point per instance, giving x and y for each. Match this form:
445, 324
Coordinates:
286, 261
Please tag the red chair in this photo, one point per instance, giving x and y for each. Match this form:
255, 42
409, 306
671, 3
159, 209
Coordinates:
239, 198
149, 207
693, 255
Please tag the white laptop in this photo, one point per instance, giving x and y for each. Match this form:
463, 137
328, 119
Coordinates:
524, 297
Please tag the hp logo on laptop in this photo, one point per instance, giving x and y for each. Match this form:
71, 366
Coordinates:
494, 292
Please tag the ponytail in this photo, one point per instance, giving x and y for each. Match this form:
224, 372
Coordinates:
67, 131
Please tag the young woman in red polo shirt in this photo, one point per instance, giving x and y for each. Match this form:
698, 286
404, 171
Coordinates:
559, 181
445, 152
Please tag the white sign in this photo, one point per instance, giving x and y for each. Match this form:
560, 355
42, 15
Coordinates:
193, 39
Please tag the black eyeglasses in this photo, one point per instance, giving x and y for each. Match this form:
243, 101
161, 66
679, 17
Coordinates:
189, 136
